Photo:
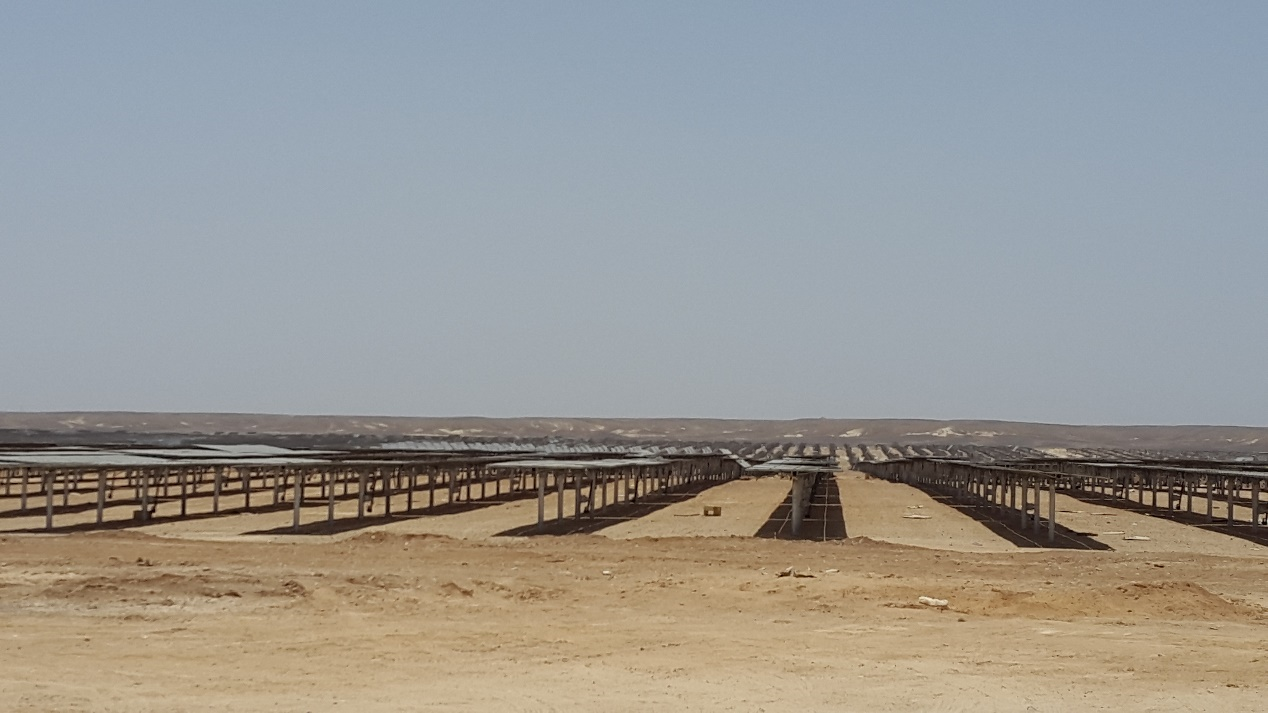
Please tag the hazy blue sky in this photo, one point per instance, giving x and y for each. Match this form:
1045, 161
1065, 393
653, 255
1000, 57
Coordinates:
1040, 211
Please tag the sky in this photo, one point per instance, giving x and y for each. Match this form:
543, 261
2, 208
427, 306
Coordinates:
1030, 211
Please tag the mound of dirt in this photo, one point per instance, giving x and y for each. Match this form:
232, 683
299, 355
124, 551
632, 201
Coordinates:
1155, 600
378, 538
111, 623
166, 589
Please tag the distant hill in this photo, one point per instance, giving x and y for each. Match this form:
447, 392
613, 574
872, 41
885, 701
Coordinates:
815, 430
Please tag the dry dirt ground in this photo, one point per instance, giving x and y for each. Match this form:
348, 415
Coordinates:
439, 614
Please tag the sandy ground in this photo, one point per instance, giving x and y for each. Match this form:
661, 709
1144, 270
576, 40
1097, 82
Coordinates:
746, 505
384, 622
1113, 526
436, 613
901, 514
893, 512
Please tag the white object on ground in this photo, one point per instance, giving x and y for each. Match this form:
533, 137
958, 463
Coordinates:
931, 602
790, 572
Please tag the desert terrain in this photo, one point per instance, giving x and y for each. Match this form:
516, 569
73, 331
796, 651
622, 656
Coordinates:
667, 610
171, 428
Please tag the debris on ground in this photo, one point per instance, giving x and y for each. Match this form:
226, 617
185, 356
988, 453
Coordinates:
791, 572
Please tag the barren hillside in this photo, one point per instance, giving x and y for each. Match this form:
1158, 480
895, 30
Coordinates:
906, 431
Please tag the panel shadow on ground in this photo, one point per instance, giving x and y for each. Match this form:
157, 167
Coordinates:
1005, 523
154, 519
613, 514
1241, 529
825, 519
346, 524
